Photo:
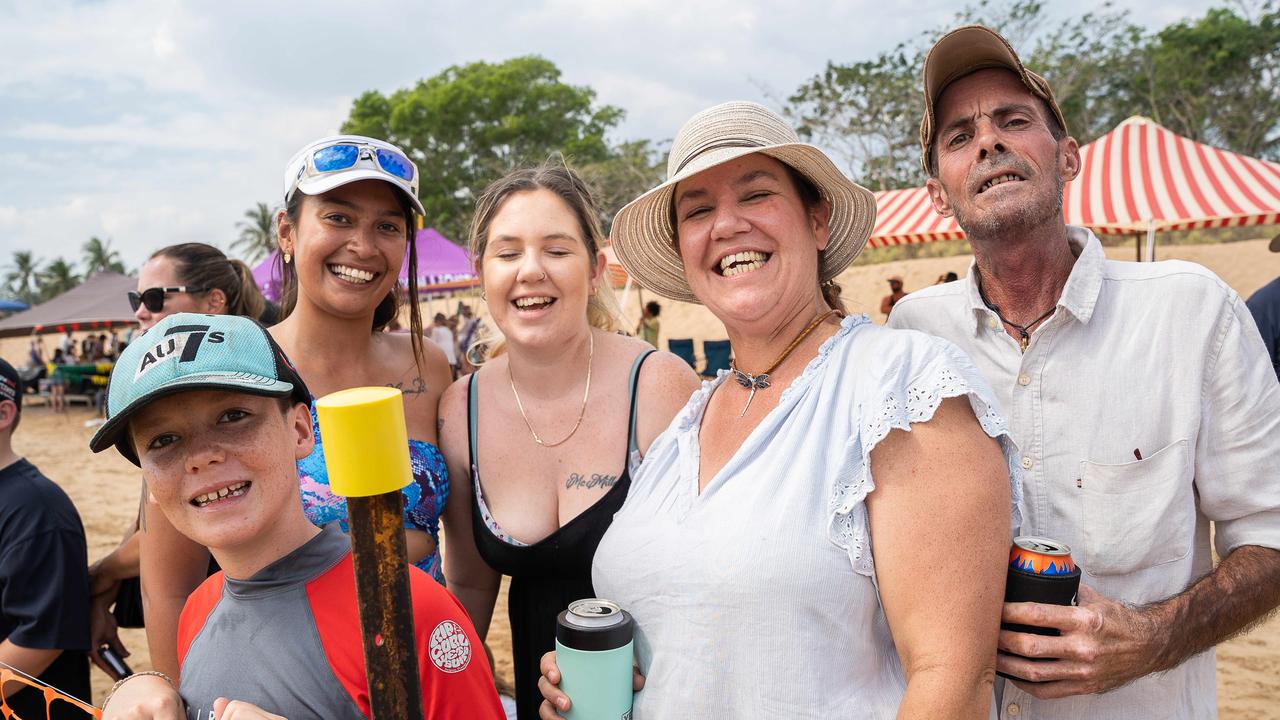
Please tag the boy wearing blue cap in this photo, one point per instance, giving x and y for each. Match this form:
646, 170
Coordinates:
216, 417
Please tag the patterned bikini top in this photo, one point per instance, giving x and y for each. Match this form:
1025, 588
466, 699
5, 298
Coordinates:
424, 498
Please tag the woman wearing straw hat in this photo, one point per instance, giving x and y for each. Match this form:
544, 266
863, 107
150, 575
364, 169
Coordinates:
543, 438
348, 226
823, 531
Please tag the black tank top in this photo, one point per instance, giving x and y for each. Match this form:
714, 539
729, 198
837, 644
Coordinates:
551, 573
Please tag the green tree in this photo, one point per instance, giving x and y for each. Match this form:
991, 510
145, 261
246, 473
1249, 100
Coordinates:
631, 168
56, 278
257, 232
1215, 79
22, 278
99, 257
868, 112
470, 124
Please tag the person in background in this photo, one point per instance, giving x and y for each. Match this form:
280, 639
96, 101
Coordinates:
442, 336
649, 326
101, 349
35, 353
895, 294
58, 381
1127, 468
468, 333
188, 277
946, 277
1264, 305
44, 584
543, 439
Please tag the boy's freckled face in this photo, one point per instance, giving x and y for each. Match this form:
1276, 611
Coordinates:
221, 465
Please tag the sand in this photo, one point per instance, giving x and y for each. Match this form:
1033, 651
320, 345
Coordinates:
105, 488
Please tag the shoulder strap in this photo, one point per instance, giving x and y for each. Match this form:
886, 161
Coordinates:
473, 418
631, 385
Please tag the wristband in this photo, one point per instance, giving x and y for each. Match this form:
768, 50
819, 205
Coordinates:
127, 678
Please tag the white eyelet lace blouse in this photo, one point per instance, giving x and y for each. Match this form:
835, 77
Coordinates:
757, 597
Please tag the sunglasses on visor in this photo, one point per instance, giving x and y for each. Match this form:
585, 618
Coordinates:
153, 298
345, 155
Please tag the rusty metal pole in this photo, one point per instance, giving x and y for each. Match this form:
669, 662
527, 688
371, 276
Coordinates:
366, 451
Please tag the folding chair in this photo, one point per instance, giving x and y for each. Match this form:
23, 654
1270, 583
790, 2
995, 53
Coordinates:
683, 349
718, 354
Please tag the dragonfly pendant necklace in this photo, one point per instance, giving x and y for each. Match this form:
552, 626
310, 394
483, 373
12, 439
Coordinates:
761, 381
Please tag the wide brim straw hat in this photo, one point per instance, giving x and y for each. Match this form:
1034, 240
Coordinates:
643, 236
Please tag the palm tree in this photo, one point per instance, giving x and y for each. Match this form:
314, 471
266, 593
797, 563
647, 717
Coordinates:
99, 257
257, 232
56, 278
21, 280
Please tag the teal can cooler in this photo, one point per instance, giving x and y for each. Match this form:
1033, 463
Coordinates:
595, 653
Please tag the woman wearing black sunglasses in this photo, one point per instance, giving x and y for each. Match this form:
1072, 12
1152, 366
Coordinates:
194, 277
189, 277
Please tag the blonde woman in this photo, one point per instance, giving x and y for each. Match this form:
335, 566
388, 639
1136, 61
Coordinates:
542, 440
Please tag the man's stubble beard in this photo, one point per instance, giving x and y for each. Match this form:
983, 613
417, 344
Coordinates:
1019, 219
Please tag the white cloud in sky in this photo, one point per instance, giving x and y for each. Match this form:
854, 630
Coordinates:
158, 121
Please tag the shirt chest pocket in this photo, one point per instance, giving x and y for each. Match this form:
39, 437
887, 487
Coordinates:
1137, 515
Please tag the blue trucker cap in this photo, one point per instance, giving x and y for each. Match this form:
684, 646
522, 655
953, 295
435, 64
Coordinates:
186, 352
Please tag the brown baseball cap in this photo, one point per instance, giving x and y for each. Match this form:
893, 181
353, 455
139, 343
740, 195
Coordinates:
965, 50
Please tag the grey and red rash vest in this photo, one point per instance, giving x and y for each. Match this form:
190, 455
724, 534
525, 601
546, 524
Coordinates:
288, 641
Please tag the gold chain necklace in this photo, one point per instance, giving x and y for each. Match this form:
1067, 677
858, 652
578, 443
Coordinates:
761, 381
591, 351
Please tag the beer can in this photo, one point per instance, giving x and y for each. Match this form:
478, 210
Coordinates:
594, 649
1041, 571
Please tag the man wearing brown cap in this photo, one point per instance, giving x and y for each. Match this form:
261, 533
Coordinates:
1139, 395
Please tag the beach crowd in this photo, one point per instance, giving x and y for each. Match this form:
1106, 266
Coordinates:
822, 531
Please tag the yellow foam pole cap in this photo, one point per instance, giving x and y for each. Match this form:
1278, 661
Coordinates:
366, 445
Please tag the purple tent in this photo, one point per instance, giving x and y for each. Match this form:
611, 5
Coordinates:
439, 260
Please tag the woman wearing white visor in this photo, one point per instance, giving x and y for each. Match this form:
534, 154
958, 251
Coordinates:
347, 228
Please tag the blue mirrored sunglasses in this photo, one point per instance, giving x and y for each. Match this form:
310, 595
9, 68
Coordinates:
344, 156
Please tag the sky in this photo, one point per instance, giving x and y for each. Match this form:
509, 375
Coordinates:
152, 122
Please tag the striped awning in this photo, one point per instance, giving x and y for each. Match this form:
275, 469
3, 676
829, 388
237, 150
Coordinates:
617, 274
1136, 178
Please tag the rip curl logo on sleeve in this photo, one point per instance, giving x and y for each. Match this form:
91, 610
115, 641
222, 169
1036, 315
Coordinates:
181, 343
449, 647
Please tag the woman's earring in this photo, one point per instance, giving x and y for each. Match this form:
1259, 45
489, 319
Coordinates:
287, 258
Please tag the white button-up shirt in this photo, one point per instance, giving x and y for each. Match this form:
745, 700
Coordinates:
1144, 408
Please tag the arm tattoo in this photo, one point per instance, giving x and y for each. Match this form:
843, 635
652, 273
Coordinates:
417, 386
597, 480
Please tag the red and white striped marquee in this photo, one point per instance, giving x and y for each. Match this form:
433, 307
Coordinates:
1136, 178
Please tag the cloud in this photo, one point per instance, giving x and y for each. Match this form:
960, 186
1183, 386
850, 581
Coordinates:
158, 121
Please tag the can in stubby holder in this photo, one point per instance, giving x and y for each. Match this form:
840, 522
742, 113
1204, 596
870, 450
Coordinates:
594, 652
1041, 571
